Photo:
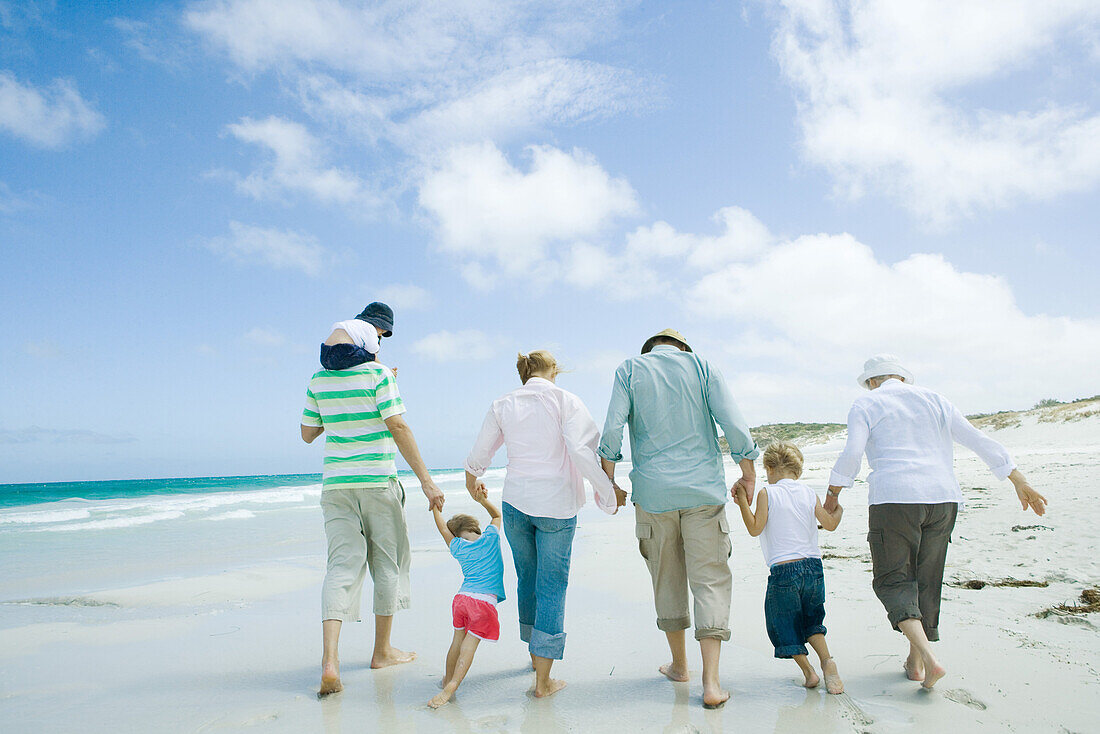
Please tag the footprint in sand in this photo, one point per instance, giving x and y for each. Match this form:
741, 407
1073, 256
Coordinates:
963, 696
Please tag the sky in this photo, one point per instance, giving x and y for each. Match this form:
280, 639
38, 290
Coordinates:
191, 193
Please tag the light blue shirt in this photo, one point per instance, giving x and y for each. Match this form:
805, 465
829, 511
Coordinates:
671, 400
482, 564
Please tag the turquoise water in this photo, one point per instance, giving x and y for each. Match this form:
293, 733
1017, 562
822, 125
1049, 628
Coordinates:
14, 495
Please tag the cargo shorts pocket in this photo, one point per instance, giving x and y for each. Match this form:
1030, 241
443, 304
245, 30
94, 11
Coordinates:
644, 533
725, 545
878, 559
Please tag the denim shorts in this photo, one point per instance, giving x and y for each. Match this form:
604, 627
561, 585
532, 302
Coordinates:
794, 606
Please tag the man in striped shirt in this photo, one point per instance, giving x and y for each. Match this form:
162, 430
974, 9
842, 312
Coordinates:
360, 410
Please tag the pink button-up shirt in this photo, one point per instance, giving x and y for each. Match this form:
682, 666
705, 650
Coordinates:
551, 441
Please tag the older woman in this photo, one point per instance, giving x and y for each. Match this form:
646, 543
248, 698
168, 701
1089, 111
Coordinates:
908, 433
551, 441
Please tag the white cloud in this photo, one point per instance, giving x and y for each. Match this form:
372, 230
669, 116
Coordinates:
264, 337
486, 209
50, 117
405, 296
287, 250
423, 75
881, 87
450, 346
297, 165
814, 308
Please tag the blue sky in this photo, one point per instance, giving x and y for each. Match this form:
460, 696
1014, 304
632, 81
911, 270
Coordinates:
191, 193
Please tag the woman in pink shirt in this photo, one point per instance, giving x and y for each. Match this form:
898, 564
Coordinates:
551, 441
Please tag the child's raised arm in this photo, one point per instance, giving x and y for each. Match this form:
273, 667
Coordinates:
493, 510
753, 523
828, 520
441, 526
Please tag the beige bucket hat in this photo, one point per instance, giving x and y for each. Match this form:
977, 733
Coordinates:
671, 333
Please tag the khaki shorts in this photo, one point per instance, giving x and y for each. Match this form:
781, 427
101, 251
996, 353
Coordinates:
688, 549
366, 529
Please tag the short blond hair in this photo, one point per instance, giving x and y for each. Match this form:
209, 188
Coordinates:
461, 523
783, 456
540, 361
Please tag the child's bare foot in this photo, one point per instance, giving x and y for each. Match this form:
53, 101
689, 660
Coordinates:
932, 673
330, 679
714, 696
673, 673
812, 679
392, 656
441, 698
551, 687
833, 683
914, 668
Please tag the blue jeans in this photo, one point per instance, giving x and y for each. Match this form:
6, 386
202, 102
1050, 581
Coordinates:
794, 605
541, 548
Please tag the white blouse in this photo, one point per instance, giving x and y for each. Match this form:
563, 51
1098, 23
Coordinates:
551, 441
907, 433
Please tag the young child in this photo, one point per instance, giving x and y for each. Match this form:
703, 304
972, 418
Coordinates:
474, 607
787, 513
355, 341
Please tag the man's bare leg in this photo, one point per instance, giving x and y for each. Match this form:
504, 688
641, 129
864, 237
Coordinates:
833, 681
913, 629
714, 695
452, 655
386, 654
544, 684
330, 660
677, 670
462, 666
914, 665
808, 671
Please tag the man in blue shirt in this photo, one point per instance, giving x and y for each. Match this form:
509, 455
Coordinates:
671, 399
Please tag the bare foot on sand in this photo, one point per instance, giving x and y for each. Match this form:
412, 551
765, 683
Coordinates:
330, 679
914, 669
670, 671
932, 674
833, 683
552, 686
812, 679
442, 697
393, 656
714, 697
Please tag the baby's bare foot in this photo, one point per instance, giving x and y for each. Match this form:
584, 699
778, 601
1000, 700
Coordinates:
670, 671
330, 679
393, 656
440, 698
833, 683
552, 686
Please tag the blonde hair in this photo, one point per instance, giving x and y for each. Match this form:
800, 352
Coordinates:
785, 457
539, 361
461, 523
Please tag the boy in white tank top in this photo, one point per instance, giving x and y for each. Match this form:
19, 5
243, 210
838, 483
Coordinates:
787, 513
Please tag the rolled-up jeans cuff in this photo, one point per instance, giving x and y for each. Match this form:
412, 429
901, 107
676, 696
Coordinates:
722, 633
547, 646
673, 625
525, 632
789, 651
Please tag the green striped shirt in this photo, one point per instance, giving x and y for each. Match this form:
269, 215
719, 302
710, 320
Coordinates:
352, 405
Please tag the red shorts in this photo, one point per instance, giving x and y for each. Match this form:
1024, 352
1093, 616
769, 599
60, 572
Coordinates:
477, 617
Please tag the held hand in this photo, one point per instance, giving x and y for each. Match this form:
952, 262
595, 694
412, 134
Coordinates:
620, 496
831, 503
745, 484
1030, 498
434, 495
478, 492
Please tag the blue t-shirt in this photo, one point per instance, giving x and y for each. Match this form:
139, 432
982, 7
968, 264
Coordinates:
482, 564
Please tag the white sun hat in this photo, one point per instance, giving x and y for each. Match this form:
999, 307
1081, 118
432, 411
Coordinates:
883, 364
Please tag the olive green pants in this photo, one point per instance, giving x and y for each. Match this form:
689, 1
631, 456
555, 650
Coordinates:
366, 529
909, 551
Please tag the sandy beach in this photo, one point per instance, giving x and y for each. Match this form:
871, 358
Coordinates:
205, 620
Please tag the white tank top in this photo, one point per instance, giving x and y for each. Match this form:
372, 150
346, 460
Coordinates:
791, 530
